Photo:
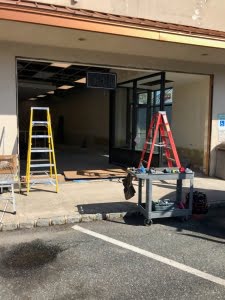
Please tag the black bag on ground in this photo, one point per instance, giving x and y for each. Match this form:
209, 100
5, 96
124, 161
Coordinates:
129, 190
200, 204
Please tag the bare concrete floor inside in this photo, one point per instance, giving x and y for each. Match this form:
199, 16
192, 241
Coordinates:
71, 158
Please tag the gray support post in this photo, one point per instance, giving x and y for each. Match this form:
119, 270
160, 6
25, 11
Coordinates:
148, 198
139, 191
13, 198
191, 195
179, 190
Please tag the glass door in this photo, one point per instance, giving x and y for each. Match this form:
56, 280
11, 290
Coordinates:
134, 105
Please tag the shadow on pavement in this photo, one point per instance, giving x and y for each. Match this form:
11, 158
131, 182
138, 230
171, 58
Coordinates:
106, 208
211, 225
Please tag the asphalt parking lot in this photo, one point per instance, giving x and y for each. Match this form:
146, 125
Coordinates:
117, 259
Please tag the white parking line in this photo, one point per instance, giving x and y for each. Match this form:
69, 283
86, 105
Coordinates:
154, 256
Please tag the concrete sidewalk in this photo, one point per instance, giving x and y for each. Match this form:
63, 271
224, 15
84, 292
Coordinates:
91, 200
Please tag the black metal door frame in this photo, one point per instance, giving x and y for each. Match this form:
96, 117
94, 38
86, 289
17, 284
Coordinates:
161, 81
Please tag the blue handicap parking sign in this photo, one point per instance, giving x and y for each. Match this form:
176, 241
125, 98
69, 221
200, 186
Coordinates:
222, 123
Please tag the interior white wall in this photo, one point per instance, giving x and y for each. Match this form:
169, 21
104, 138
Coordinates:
9, 51
86, 116
217, 108
190, 118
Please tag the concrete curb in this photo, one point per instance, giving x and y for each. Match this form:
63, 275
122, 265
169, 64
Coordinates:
61, 220
76, 218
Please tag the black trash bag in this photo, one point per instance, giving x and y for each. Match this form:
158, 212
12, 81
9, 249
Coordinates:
200, 203
129, 190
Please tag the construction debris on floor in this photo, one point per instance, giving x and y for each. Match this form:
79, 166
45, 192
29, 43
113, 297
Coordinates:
95, 174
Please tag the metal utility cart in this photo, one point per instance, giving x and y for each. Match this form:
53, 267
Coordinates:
146, 208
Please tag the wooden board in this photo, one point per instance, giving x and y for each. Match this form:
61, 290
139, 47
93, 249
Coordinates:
94, 174
8, 164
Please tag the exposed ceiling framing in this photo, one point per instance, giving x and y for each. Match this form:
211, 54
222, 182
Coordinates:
37, 77
49, 73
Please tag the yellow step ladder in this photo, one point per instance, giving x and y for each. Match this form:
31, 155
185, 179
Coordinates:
41, 145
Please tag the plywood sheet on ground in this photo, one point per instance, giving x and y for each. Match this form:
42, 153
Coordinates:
94, 174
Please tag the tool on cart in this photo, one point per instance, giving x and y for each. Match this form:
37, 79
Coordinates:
41, 145
159, 127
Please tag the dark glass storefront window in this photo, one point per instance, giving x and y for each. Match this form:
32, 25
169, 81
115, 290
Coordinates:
148, 104
134, 103
134, 108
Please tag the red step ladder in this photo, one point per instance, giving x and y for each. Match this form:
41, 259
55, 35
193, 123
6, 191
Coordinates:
160, 124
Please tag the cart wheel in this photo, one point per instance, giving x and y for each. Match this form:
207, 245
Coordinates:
148, 222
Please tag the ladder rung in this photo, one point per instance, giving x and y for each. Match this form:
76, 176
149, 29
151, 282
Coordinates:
40, 108
32, 160
41, 165
37, 150
39, 123
169, 158
159, 145
42, 171
40, 136
43, 180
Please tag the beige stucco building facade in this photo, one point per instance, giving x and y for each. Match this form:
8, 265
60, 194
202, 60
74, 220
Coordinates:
197, 13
